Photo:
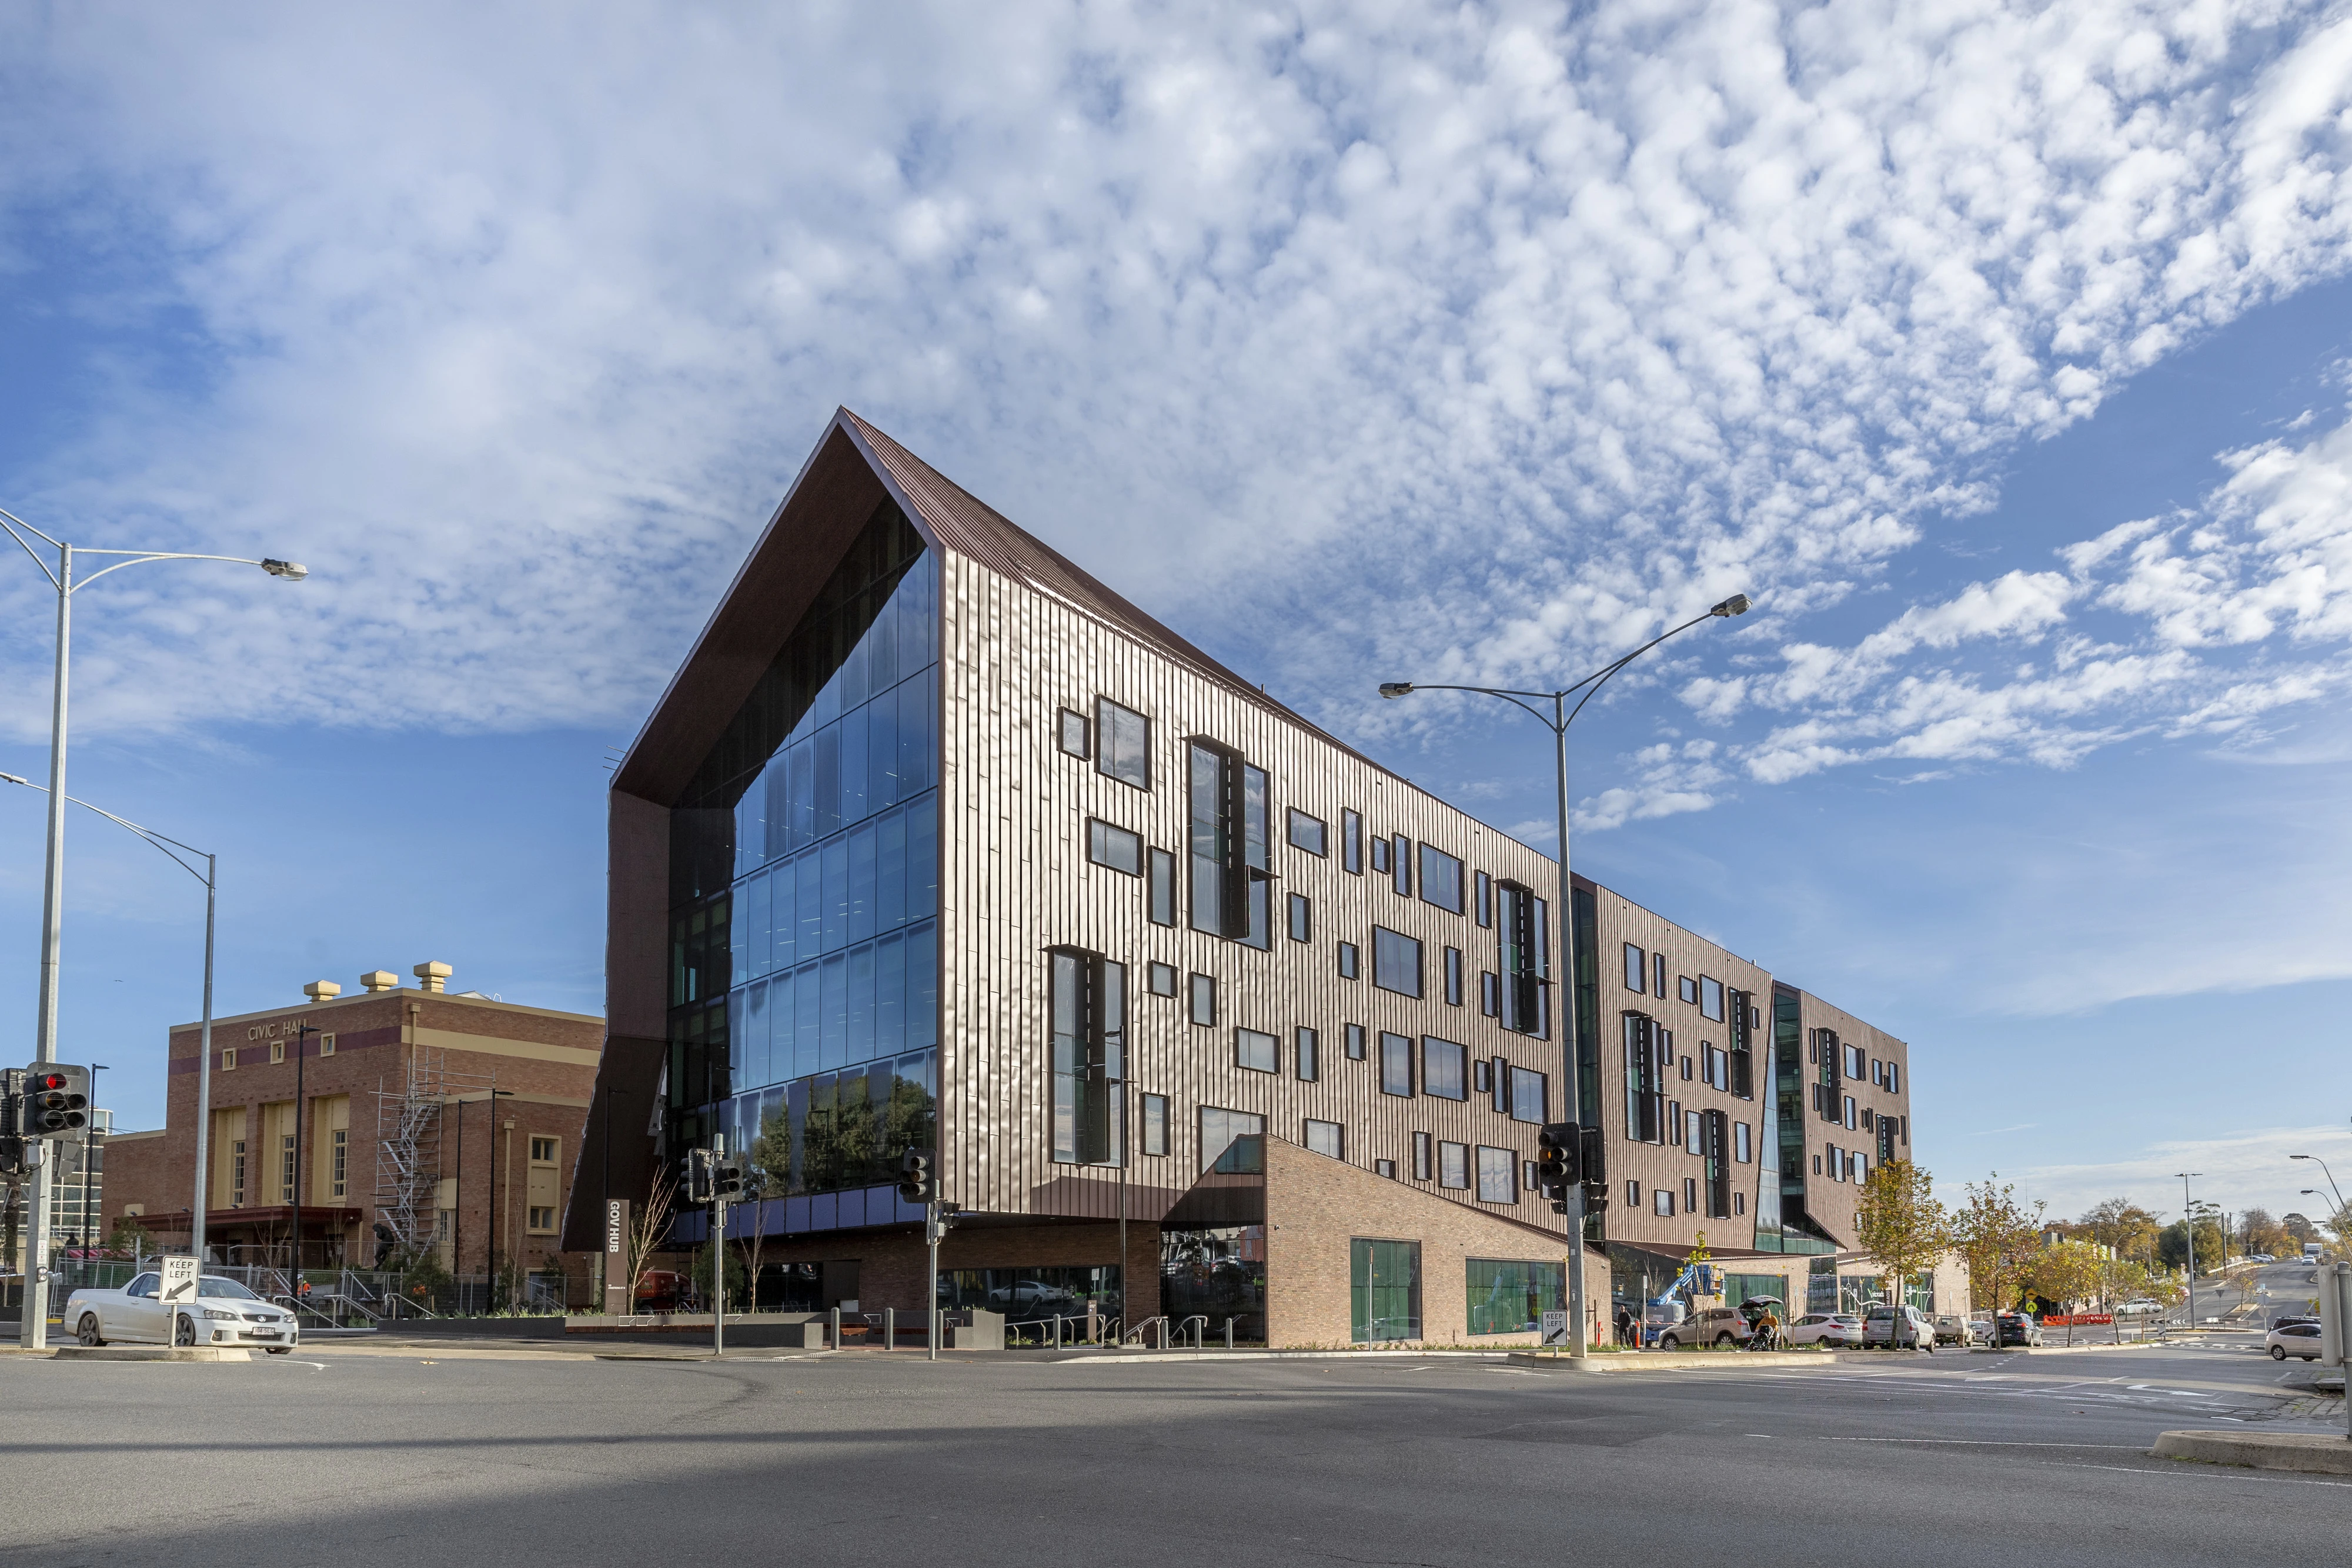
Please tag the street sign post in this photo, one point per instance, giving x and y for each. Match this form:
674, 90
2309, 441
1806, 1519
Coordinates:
2335, 1325
179, 1284
1555, 1330
617, 1257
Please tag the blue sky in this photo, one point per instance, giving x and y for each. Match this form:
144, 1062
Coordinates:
2002, 354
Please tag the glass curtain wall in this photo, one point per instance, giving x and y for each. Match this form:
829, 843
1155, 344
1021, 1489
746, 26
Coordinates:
805, 888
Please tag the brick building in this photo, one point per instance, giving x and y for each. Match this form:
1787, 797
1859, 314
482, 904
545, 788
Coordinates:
441, 1122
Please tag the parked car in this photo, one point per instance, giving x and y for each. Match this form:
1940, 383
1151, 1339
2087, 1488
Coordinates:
2016, 1328
2140, 1305
2292, 1338
1898, 1328
224, 1313
1835, 1328
1951, 1328
1980, 1330
1720, 1326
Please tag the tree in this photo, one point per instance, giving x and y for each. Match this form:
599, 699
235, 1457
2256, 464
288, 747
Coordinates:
1899, 1223
2172, 1242
2299, 1228
2067, 1272
645, 1231
2121, 1224
1998, 1236
2258, 1232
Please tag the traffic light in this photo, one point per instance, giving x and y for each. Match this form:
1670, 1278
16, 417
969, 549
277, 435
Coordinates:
917, 1179
1559, 1157
727, 1183
56, 1099
1592, 1166
698, 1175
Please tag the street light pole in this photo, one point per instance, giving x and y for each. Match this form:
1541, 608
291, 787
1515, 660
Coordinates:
2189, 1234
180, 856
2330, 1174
44, 1038
1562, 716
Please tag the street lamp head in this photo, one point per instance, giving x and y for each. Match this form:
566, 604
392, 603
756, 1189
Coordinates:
12, 778
1396, 688
292, 571
2299, 1157
1735, 605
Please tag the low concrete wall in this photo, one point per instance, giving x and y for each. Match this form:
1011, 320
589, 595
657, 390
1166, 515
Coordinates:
2315, 1453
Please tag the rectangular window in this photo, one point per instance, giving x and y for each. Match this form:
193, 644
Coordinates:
236, 1171
542, 1150
1694, 1136
1893, 1078
1525, 938
1454, 975
1164, 888
1633, 1194
1114, 847
1073, 734
1489, 996
1690, 1195
1512, 1297
1440, 880
1444, 1069
1204, 1000
1528, 1177
1662, 1202
1453, 1164
1637, 970
1355, 1037
1530, 1092
1233, 1142
1302, 918
228, 1060
1326, 1138
1155, 1124
1855, 1056
1305, 833
1481, 1076
326, 1045
1710, 999
1351, 843
1424, 1166
1383, 1290
1401, 858
1658, 972
1348, 960
1307, 1046
1743, 1148
1687, 988
1384, 1168
1396, 961
1849, 1111
1877, 1072
1253, 1049
1231, 856
340, 1164
276, 1051
1484, 888
1396, 1064
1498, 1175
543, 1218
1380, 857
1088, 1005
1162, 979
1122, 744
286, 1168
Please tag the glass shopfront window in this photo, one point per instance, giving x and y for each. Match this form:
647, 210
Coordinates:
1512, 1298
1383, 1290
1034, 1295
1218, 1273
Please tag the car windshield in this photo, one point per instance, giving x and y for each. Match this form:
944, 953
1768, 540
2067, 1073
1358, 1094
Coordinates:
216, 1286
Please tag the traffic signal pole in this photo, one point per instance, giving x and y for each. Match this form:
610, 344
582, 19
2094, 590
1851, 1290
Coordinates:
717, 1249
931, 1239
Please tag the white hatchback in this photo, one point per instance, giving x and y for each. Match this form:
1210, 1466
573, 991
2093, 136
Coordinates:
2292, 1338
224, 1313
1840, 1329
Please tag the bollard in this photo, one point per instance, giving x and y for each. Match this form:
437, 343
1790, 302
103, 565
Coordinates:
889, 1328
833, 1325
1229, 1333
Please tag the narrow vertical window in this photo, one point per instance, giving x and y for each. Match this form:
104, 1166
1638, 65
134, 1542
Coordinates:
1355, 1039
1380, 857
1231, 852
1454, 975
1421, 1158
1155, 1124
1351, 843
1489, 1001
1088, 1005
1309, 1046
1396, 1064
1453, 1164
1347, 964
1401, 864
1526, 959
1637, 970
1658, 971
1073, 734
1302, 918
1162, 889
1204, 1000
1122, 744
1484, 887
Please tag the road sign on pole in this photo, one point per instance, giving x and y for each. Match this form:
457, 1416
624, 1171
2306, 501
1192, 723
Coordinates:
179, 1285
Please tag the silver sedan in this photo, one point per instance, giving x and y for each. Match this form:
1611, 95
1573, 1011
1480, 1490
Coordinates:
224, 1313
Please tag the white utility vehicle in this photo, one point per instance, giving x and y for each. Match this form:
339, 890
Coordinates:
223, 1313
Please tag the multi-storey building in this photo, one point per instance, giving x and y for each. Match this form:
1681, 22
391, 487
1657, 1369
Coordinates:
432, 1122
934, 840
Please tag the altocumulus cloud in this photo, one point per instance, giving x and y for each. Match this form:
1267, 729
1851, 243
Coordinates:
1556, 322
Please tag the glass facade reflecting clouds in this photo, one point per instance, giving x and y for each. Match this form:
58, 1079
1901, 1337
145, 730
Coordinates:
804, 887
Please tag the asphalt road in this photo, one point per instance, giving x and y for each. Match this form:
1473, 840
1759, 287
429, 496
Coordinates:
434, 1456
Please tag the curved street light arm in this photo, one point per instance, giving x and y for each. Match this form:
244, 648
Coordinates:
1600, 678
137, 557
163, 843
1509, 697
29, 550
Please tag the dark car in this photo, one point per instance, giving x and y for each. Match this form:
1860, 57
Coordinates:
2016, 1328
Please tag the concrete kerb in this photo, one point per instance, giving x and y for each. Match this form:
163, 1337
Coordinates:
2312, 1453
149, 1352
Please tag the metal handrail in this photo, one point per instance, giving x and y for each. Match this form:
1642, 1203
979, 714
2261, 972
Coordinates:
1196, 1318
1139, 1329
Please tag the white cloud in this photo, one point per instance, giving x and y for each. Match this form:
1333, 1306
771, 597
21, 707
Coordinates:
1465, 341
2238, 1170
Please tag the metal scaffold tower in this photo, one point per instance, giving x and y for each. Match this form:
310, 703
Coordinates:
408, 1167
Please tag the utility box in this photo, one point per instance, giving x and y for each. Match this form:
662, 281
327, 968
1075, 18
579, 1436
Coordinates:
976, 1329
2335, 1311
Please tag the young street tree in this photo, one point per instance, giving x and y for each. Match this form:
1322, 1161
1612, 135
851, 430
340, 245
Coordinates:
1998, 1236
2068, 1272
1899, 1223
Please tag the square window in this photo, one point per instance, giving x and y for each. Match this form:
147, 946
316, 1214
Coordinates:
1637, 968
1444, 1069
1422, 1168
1114, 847
1454, 1165
1073, 734
1484, 894
543, 1218
1662, 1202
1688, 988
1440, 880
1162, 979
1346, 960
1454, 975
1355, 1036
1396, 961
1384, 1168
1380, 857
1396, 1064
1305, 832
1204, 1000
1351, 843
1326, 1138
542, 1150
1499, 1171
1253, 1049
1155, 1124
1302, 918
1123, 744
1162, 889
1307, 1046
1221, 1148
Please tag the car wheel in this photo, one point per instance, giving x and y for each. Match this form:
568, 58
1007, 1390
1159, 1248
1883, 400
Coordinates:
280, 1349
186, 1334
2278, 1353
1723, 1339
2311, 1358
1668, 1342
87, 1330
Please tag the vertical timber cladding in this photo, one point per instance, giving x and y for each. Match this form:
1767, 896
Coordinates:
1832, 1202
1015, 881
1666, 1165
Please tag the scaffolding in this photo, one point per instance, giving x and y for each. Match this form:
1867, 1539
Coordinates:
408, 1147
